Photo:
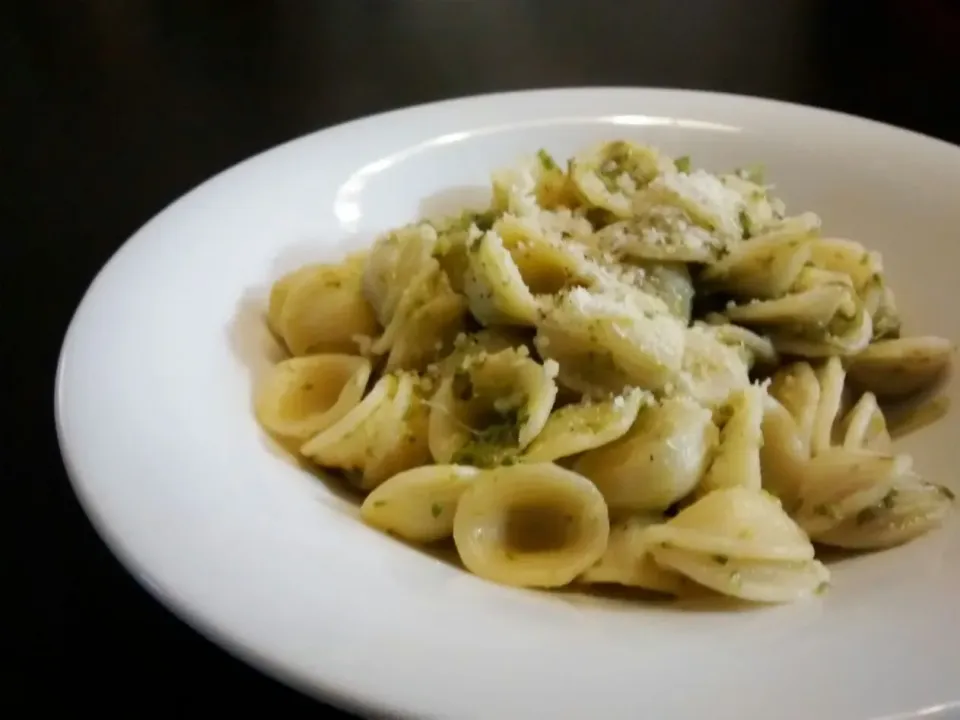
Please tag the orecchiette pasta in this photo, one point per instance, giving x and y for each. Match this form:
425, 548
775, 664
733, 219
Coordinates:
625, 370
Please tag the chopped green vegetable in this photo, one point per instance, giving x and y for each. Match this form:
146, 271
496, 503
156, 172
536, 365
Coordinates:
947, 492
867, 515
683, 164
721, 559
546, 161
436, 509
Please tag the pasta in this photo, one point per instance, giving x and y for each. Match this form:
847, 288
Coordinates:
626, 370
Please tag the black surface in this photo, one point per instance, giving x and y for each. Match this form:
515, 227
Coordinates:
111, 109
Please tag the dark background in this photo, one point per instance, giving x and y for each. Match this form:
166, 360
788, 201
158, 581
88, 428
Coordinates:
112, 108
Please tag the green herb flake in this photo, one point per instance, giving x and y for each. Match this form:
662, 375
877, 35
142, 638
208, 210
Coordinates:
746, 225
379, 503
822, 588
683, 164
546, 160
889, 499
947, 492
436, 509
721, 559
867, 515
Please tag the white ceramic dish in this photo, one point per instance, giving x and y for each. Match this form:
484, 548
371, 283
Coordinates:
153, 409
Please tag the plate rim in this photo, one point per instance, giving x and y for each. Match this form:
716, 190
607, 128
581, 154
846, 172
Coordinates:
81, 481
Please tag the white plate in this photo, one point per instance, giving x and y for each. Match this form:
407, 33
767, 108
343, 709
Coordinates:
153, 406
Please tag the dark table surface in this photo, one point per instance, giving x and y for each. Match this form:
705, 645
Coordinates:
113, 109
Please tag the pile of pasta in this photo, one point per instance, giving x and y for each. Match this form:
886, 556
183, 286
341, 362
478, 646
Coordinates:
628, 370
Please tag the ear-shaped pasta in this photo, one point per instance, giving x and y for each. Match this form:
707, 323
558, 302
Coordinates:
761, 210
910, 509
711, 369
864, 426
302, 396
546, 260
603, 345
586, 425
608, 175
419, 504
491, 409
815, 307
530, 525
739, 542
384, 435
396, 259
659, 461
421, 333
531, 184
753, 348
783, 454
797, 389
846, 334
671, 282
880, 302
494, 286
767, 266
703, 197
661, 234
830, 377
487, 341
901, 367
736, 462
424, 323
859, 499
839, 483
324, 310
626, 560
279, 291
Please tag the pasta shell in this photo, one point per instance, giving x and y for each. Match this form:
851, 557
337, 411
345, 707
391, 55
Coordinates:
533, 183
739, 542
766, 267
839, 483
864, 426
428, 305
419, 504
586, 425
736, 462
494, 287
830, 377
530, 525
711, 370
911, 508
302, 396
901, 367
608, 175
382, 436
324, 310
703, 197
598, 342
491, 409
761, 209
737, 523
783, 454
797, 389
659, 461
662, 234
755, 349
627, 560
395, 260
765, 581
